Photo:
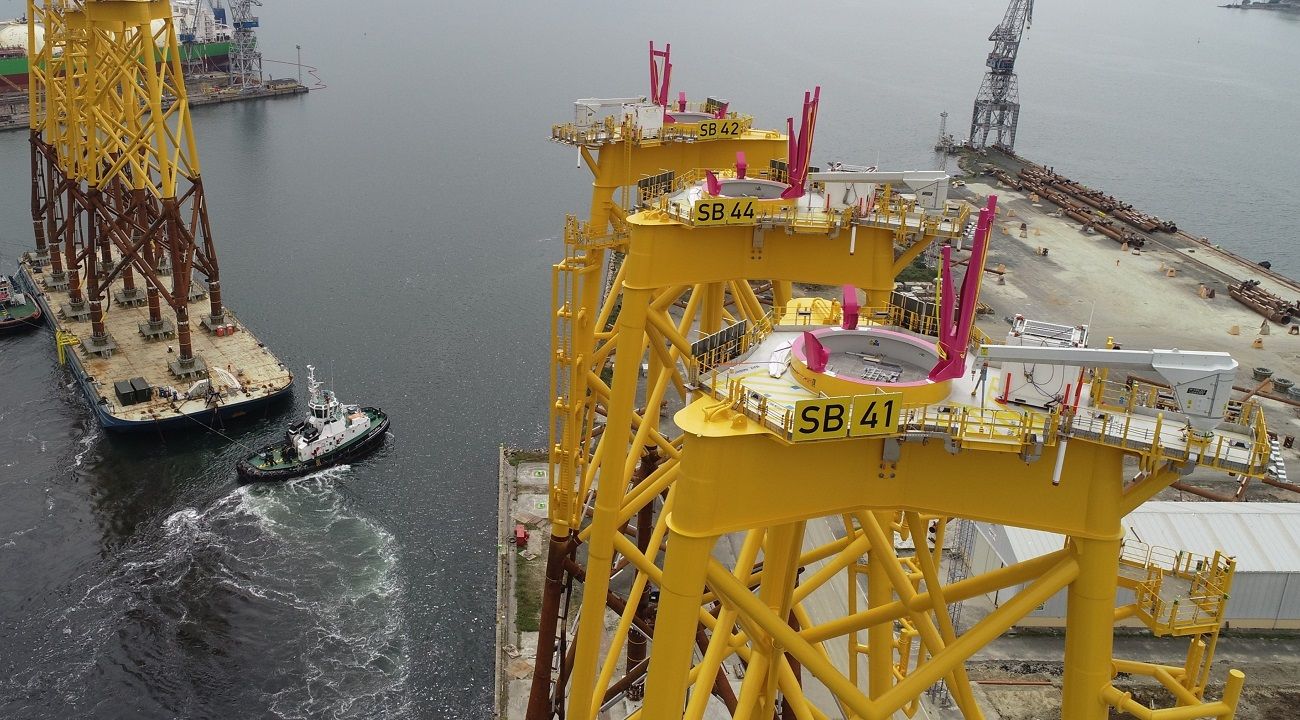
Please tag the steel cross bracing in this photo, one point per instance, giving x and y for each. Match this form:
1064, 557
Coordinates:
116, 188
997, 105
585, 308
958, 569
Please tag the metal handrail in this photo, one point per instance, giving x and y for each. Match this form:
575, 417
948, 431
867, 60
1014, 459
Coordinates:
1208, 579
578, 236
610, 129
1124, 398
1114, 428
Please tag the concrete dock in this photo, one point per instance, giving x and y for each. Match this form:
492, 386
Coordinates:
202, 91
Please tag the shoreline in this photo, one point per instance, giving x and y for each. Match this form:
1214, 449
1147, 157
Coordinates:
1230, 265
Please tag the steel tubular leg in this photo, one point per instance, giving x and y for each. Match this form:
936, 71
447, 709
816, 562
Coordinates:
782, 291
780, 565
685, 566
1089, 635
612, 455
711, 315
539, 698
880, 637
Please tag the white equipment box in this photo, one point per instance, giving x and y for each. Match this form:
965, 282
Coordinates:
1039, 384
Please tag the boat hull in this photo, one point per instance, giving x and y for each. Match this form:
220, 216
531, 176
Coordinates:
26, 323
209, 418
367, 443
19, 318
207, 57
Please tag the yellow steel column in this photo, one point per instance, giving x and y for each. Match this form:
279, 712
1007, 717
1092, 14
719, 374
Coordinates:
882, 272
1090, 613
880, 637
776, 590
685, 566
711, 312
1089, 635
782, 291
611, 456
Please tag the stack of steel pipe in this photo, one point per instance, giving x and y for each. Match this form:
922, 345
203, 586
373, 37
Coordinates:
1097, 199
1250, 294
1048, 185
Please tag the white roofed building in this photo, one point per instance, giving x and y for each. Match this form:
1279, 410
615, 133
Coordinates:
1264, 538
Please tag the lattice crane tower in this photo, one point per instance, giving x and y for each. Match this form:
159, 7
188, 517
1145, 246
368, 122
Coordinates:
997, 106
245, 58
819, 411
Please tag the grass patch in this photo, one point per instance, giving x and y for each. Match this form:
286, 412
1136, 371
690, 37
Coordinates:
916, 271
528, 594
515, 456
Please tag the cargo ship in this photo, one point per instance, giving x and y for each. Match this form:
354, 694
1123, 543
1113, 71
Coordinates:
201, 26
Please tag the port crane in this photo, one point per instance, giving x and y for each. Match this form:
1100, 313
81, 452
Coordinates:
245, 58
997, 105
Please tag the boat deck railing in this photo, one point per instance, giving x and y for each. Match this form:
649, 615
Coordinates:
1115, 406
810, 316
1012, 430
1018, 430
578, 236
818, 313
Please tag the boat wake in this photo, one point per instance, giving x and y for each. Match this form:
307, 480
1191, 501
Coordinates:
280, 597
87, 443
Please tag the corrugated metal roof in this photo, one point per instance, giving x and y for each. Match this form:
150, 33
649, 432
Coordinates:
1264, 537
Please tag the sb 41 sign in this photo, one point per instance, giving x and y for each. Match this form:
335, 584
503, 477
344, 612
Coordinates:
860, 416
724, 211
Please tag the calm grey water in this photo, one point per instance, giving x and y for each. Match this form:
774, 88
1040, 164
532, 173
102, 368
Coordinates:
397, 229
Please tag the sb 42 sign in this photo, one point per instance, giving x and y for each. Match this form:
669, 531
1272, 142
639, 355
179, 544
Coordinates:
724, 211
860, 416
715, 129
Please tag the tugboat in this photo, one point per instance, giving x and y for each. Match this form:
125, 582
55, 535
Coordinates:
17, 310
332, 433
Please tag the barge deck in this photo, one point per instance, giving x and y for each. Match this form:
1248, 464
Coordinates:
134, 381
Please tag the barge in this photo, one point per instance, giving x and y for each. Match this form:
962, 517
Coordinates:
136, 382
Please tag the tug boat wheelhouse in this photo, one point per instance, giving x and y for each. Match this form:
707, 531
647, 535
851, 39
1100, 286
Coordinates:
18, 311
331, 433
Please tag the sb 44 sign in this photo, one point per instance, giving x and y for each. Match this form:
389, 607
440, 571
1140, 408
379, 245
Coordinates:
860, 416
724, 211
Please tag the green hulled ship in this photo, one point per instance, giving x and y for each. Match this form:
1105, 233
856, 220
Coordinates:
204, 47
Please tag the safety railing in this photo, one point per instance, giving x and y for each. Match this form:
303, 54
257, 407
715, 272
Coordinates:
1122, 402
891, 210
971, 424
810, 315
612, 129
650, 196
767, 213
578, 236
1020, 428
730, 127
1176, 592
